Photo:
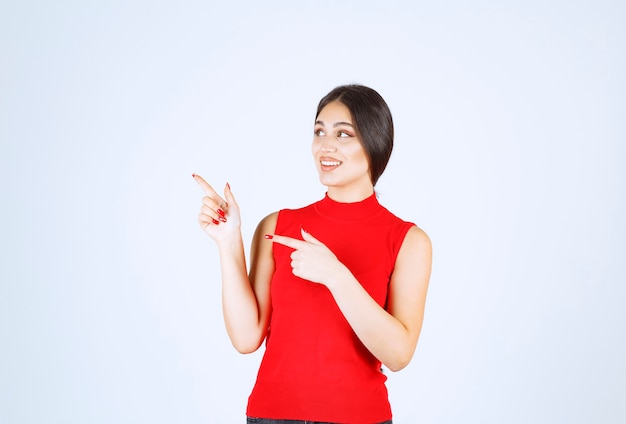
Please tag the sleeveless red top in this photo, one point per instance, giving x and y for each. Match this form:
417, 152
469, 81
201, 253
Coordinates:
315, 367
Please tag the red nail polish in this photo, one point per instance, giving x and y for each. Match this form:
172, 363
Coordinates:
215, 221
222, 219
221, 213
269, 236
193, 175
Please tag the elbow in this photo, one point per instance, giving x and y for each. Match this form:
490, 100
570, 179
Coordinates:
397, 368
246, 345
245, 348
399, 361
397, 365
245, 342
401, 356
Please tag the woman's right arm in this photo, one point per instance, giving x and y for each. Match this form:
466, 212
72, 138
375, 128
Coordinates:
245, 297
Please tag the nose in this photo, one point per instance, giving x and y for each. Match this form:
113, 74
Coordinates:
328, 145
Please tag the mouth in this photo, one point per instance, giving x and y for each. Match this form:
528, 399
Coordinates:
329, 164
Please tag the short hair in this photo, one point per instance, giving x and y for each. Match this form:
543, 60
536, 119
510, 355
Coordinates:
372, 121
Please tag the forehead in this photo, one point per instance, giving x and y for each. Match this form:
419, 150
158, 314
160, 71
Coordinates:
334, 112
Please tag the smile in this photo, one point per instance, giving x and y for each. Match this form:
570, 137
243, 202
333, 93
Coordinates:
330, 162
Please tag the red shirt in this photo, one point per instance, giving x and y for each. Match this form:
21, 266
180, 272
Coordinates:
315, 367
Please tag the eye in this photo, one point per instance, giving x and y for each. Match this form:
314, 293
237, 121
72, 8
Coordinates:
319, 132
343, 134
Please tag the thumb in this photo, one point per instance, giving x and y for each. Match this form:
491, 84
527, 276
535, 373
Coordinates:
230, 198
308, 237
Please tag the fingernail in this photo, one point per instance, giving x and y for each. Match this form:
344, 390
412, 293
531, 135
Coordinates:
228, 186
215, 221
193, 175
269, 236
221, 213
222, 219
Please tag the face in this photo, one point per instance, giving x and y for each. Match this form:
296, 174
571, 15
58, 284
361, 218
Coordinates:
340, 159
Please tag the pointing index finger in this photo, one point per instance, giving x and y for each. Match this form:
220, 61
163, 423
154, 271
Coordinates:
205, 186
286, 241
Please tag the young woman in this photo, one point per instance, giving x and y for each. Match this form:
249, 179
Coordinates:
337, 288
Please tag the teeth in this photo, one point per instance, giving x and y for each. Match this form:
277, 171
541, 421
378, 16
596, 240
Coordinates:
330, 163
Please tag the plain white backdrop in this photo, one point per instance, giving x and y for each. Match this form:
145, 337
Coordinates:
510, 152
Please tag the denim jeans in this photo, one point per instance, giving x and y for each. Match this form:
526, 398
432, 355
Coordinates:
251, 420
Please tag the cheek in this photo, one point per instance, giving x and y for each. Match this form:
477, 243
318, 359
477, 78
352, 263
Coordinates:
359, 156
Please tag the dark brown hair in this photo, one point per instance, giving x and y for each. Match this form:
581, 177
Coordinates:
372, 119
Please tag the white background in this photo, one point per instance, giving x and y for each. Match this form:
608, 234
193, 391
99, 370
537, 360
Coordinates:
510, 152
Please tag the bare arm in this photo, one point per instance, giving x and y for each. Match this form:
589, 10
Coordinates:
391, 335
245, 298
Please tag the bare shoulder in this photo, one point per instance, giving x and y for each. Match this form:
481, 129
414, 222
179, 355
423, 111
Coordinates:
268, 224
416, 242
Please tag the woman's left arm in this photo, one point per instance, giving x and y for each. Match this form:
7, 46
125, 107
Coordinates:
391, 335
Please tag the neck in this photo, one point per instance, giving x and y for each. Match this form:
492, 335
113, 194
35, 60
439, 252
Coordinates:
345, 195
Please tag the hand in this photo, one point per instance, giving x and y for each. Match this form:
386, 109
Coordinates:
219, 217
311, 259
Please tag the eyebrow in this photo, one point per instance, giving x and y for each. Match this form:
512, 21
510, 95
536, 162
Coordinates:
336, 124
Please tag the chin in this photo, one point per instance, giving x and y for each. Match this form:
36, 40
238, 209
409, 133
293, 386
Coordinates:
328, 182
